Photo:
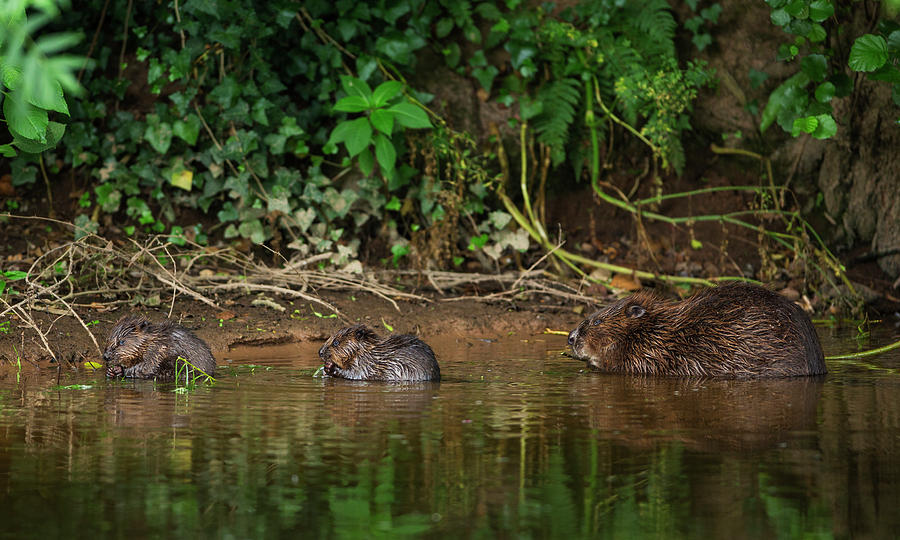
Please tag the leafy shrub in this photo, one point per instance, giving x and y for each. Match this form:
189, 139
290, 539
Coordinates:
802, 103
263, 115
33, 76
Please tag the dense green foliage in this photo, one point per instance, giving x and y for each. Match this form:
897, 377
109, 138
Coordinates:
802, 103
32, 76
264, 115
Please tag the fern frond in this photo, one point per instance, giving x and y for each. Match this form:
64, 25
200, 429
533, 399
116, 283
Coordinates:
560, 99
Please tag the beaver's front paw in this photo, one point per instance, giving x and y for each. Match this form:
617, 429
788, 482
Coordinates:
113, 372
330, 368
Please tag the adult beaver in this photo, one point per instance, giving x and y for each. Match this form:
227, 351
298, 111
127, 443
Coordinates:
736, 330
139, 349
356, 352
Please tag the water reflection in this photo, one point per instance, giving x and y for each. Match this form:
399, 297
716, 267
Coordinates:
516, 441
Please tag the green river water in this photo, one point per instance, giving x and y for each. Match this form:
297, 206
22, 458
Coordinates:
515, 442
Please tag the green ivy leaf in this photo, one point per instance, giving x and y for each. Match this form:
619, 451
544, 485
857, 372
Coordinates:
825, 92
383, 120
352, 104
359, 136
412, 116
385, 92
869, 52
385, 152
393, 204
158, 134
253, 230
819, 10
188, 129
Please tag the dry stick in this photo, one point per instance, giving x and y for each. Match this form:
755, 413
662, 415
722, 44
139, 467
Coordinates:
26, 318
270, 288
173, 282
52, 292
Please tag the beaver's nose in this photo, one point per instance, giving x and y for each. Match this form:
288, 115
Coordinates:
572, 335
322, 352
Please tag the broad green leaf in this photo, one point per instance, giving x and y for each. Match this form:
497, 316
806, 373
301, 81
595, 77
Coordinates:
359, 137
341, 132
6, 150
366, 162
385, 152
798, 9
412, 116
778, 99
886, 73
827, 127
24, 119
819, 10
779, 17
824, 92
54, 133
385, 92
383, 120
893, 42
816, 33
49, 95
869, 52
815, 66
356, 87
352, 104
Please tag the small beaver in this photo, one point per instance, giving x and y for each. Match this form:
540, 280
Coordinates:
356, 352
736, 330
138, 349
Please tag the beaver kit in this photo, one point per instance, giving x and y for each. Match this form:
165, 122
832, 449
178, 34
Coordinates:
358, 353
139, 349
736, 330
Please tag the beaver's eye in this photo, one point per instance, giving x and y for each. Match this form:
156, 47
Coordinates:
121, 342
335, 342
596, 322
635, 311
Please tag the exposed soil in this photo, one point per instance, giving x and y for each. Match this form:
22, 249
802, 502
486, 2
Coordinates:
238, 322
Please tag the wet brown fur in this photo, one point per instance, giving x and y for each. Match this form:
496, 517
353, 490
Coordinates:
736, 330
137, 348
357, 352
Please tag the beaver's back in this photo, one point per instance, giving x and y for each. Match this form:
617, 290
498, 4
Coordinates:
735, 330
742, 329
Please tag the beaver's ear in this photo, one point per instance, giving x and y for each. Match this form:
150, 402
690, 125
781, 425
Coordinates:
143, 324
635, 310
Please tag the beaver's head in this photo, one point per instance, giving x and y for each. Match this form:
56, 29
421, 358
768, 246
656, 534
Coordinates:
344, 348
612, 336
127, 342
